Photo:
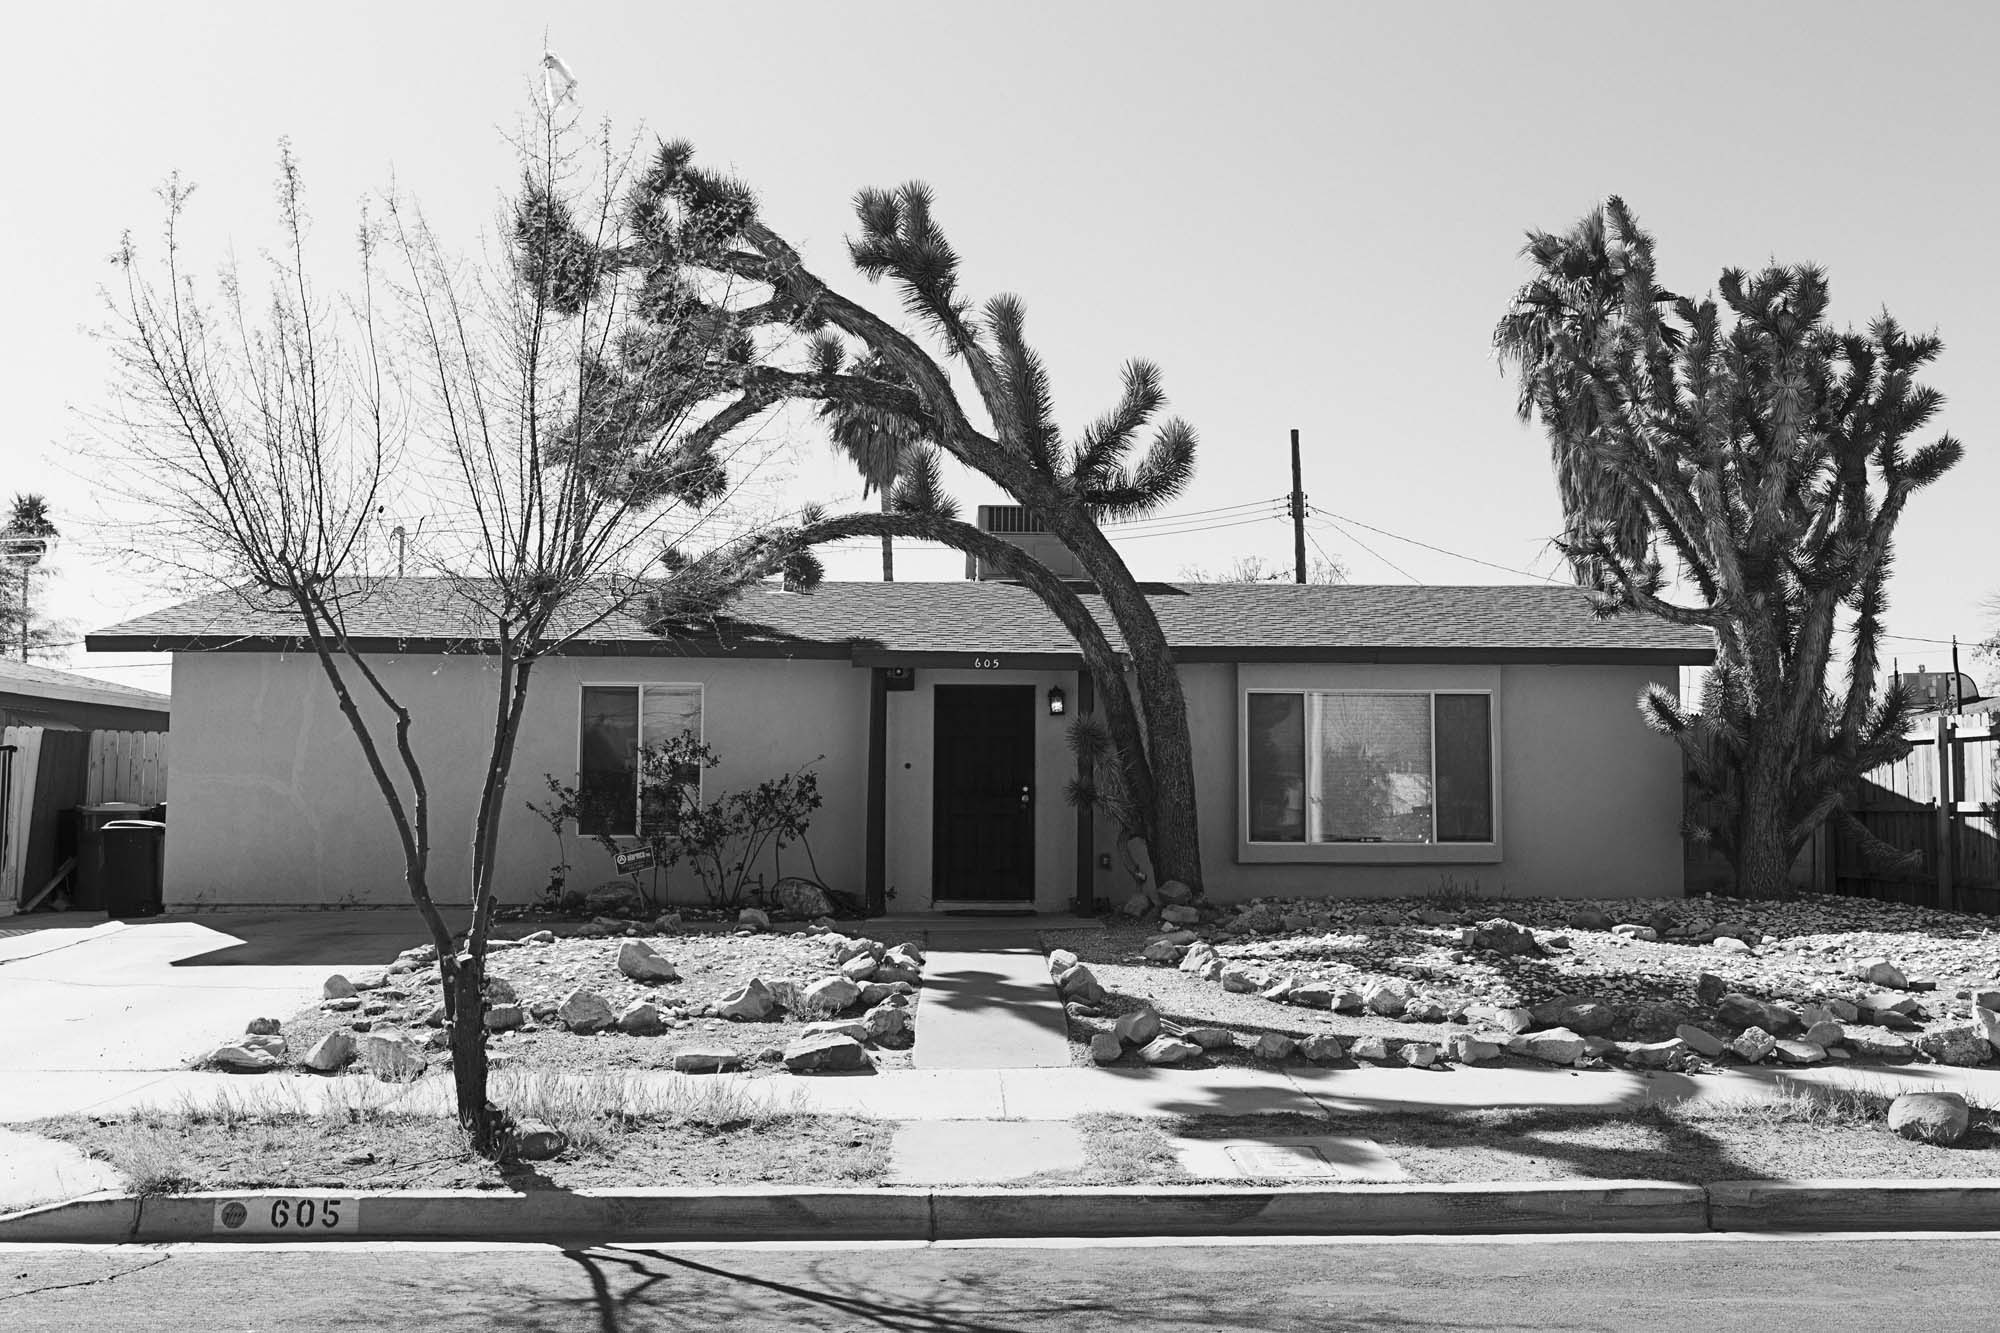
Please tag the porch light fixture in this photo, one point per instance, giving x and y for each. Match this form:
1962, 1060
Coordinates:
1055, 701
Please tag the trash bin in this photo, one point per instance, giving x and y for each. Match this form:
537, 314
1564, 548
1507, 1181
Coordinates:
133, 861
88, 888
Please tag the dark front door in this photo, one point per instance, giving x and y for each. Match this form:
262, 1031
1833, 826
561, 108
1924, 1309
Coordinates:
983, 820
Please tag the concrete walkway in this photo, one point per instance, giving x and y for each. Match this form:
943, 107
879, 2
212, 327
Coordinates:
987, 1003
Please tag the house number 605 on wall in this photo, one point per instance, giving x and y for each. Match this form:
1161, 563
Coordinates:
986, 663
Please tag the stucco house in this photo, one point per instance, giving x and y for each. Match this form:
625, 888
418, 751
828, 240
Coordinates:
1349, 740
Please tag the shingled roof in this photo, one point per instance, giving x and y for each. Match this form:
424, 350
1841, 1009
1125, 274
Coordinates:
939, 623
28, 681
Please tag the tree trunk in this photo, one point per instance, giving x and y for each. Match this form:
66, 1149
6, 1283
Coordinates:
482, 1121
888, 544
1763, 867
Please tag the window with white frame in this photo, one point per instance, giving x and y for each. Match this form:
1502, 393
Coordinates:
615, 722
1353, 766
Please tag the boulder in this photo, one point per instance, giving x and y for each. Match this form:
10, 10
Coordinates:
263, 1027
499, 990
1175, 892
1701, 1041
860, 967
1988, 1021
874, 992
1273, 1046
754, 918
641, 962
753, 1001
616, 897
434, 1016
1322, 1048
1503, 937
1136, 906
1843, 1011
856, 1028
1964, 1044
585, 1011
1105, 1048
1168, 1051
1161, 951
1709, 988
330, 1053
706, 1060
1874, 1044
891, 971
803, 901
392, 1055
1791, 1052
504, 1017
336, 987
1754, 1044
1589, 918
1554, 1046
825, 995
270, 1043
1741, 1011
1468, 1049
1312, 995
886, 1022
537, 1141
1241, 980
1369, 1048
1180, 915
1824, 1034
1138, 1028
1729, 944
825, 1053
1987, 999
539, 937
1656, 1054
1061, 961
1209, 1039
1879, 972
1591, 1018
1930, 1117
346, 1005
1419, 1054
1387, 998
1424, 1009
1508, 1020
641, 1018
238, 1058
1080, 983
1632, 930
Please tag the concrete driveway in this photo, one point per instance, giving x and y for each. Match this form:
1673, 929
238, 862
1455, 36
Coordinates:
91, 996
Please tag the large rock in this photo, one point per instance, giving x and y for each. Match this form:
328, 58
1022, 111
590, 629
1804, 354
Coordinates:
1741, 1011
1161, 951
1105, 1048
1879, 972
1273, 1046
1168, 1051
1387, 998
1825, 1033
1508, 1020
1468, 1049
1590, 1017
1240, 980
1080, 983
752, 1001
874, 992
1930, 1117
1179, 915
1210, 1039
1312, 995
886, 1022
537, 1141
1656, 1054
1138, 1027
857, 1028
1369, 1048
1061, 961
336, 987
1555, 1046
1800, 1052
641, 1018
238, 1058
1503, 937
829, 995
1709, 988
616, 897
641, 962
330, 1053
1754, 1044
825, 1053
392, 1055
754, 918
1322, 1048
803, 901
860, 967
706, 1060
1701, 1041
1589, 918
1962, 1045
263, 1027
504, 1017
1875, 1044
585, 1011
1988, 1021
890, 970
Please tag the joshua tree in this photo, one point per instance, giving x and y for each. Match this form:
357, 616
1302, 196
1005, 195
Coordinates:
1766, 454
24, 541
689, 221
882, 446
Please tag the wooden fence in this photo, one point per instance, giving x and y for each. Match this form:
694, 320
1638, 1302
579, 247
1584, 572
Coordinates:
127, 766
44, 775
1940, 802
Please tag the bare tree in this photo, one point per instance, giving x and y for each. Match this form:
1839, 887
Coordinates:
1255, 569
266, 445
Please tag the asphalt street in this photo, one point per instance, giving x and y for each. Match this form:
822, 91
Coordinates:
1713, 1283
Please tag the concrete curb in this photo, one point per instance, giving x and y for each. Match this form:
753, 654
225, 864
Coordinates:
781, 1213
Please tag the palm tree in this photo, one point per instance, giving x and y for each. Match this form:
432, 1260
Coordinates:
23, 542
881, 444
1556, 335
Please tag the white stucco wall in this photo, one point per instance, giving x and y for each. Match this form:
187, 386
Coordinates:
273, 804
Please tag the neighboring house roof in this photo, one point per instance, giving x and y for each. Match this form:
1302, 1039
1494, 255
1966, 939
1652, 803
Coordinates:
940, 623
39, 682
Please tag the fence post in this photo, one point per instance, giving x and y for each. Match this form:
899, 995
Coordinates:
1947, 805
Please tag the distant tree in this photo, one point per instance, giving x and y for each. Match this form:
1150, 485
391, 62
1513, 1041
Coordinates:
1767, 455
882, 445
25, 540
1254, 569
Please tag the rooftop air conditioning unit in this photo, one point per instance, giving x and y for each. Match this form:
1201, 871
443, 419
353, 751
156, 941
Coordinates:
1017, 524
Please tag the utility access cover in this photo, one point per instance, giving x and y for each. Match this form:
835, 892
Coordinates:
1319, 1157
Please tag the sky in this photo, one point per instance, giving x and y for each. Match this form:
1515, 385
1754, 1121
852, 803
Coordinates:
1309, 215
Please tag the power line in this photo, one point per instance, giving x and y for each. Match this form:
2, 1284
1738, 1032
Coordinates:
1460, 555
1366, 547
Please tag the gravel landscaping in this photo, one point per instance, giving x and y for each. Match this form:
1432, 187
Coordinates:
619, 997
1681, 984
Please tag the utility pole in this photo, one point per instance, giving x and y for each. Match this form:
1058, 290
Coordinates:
1298, 516
1957, 696
400, 536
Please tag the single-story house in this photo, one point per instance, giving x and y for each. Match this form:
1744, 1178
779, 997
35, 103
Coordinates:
39, 696
1349, 740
